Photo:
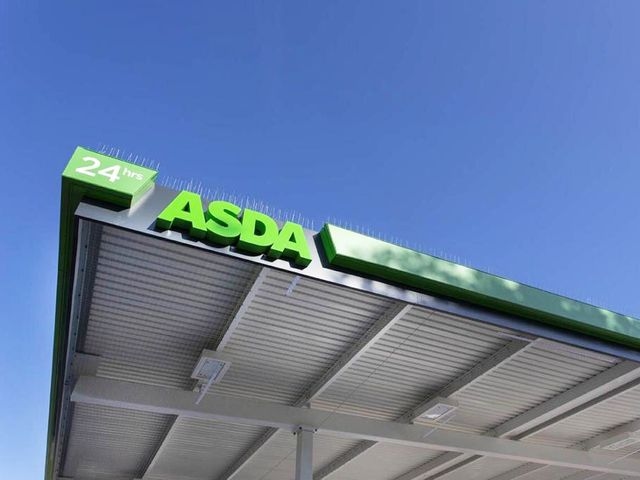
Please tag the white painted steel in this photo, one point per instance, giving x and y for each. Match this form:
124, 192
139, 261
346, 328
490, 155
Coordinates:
518, 472
196, 448
435, 466
394, 313
304, 453
532, 471
106, 441
615, 411
382, 461
165, 453
617, 376
128, 395
473, 375
419, 355
230, 327
541, 373
156, 305
555, 409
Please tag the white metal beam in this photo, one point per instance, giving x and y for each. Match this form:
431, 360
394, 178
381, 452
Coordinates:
241, 308
148, 398
592, 442
387, 320
617, 376
608, 395
375, 333
481, 369
251, 290
601, 387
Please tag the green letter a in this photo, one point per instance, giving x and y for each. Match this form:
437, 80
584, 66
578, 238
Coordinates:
184, 213
291, 243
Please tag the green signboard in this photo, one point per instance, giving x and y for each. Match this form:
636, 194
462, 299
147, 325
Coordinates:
220, 223
372, 257
110, 179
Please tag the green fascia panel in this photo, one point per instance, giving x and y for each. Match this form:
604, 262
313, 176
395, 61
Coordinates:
115, 182
108, 178
375, 258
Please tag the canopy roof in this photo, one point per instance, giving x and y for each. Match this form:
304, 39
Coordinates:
351, 359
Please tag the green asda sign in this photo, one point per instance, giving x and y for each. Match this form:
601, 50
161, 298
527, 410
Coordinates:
224, 223
100, 177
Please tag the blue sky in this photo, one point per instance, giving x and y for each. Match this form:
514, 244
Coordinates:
505, 134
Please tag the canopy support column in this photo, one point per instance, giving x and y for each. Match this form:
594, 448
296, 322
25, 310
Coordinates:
304, 453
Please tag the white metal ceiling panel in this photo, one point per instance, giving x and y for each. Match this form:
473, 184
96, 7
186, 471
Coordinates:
293, 331
593, 421
276, 461
423, 352
384, 462
483, 469
111, 443
551, 473
156, 305
524, 381
197, 449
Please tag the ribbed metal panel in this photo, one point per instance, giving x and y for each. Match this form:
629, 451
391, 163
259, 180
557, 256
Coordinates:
613, 477
422, 353
483, 469
111, 443
275, 461
201, 449
594, 421
528, 379
156, 305
288, 338
326, 448
384, 462
552, 473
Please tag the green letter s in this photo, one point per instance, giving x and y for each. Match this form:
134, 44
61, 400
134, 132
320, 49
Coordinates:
223, 226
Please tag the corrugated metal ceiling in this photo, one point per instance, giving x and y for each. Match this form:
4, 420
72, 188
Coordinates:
156, 305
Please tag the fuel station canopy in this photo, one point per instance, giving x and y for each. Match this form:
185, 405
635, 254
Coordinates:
199, 339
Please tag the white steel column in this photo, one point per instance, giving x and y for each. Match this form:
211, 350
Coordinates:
304, 453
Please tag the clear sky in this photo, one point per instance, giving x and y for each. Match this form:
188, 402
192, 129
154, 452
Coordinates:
504, 134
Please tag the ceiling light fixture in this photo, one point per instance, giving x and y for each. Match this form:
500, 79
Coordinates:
617, 438
210, 369
439, 409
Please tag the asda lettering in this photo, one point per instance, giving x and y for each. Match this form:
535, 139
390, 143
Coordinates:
224, 223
